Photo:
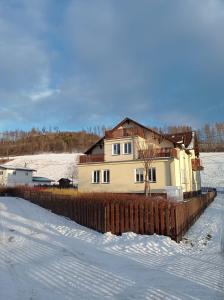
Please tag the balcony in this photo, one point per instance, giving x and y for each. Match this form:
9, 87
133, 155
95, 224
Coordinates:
124, 132
157, 153
84, 159
197, 164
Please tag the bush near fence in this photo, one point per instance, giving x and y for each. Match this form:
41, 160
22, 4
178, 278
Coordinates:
120, 213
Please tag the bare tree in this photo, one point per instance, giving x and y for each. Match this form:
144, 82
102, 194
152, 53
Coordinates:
72, 171
147, 152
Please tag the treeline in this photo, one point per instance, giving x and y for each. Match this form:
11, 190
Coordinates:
38, 141
18, 142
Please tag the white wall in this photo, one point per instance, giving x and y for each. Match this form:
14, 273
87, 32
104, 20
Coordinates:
20, 178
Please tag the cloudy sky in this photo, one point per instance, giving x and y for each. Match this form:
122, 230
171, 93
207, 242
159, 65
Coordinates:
80, 63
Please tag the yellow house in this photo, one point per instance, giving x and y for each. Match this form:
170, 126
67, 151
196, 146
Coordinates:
117, 162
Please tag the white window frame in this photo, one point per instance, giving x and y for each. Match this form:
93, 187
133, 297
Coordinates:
136, 171
115, 152
151, 171
95, 182
107, 171
127, 143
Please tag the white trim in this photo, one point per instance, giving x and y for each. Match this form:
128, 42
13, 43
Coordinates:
93, 182
150, 170
136, 175
113, 148
124, 148
102, 176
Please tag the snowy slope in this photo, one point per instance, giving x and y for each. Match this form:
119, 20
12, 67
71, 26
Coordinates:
50, 165
213, 174
44, 256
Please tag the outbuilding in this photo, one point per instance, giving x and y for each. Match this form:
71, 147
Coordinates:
42, 181
13, 176
64, 183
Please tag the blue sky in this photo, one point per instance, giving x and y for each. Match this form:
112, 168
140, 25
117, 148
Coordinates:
81, 63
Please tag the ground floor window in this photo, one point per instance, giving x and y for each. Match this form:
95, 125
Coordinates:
96, 176
105, 176
139, 175
152, 175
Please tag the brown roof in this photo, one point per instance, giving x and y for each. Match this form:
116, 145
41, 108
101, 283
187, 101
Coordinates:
92, 146
160, 135
163, 136
185, 138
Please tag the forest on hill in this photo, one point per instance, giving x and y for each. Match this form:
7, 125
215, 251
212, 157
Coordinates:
13, 143
18, 142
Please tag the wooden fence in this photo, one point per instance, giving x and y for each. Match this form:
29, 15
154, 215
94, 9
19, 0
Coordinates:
123, 213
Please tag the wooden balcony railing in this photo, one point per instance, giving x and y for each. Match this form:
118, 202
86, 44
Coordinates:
158, 153
197, 164
83, 159
124, 132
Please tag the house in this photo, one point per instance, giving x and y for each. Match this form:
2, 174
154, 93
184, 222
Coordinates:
64, 183
41, 181
115, 163
13, 176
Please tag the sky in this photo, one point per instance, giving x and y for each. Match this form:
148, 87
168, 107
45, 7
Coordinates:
74, 64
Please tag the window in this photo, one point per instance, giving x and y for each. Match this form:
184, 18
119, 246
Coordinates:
152, 175
106, 176
27, 173
14, 172
127, 148
96, 176
139, 175
1, 172
116, 149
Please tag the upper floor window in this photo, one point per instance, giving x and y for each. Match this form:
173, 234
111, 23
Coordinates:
127, 148
14, 172
139, 175
116, 149
27, 173
1, 172
96, 176
152, 175
106, 176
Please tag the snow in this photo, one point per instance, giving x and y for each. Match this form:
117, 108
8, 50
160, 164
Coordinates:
45, 256
53, 166
213, 172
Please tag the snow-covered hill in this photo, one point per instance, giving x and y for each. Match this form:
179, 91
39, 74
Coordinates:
45, 256
50, 165
56, 166
213, 173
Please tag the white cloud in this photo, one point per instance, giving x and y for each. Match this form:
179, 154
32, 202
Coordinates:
41, 95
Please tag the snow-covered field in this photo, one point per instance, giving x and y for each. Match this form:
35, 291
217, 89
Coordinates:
44, 256
53, 166
213, 174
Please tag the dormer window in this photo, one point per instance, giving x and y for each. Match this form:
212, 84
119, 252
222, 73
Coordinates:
116, 149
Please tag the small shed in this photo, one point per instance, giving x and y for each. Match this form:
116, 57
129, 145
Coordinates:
64, 183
